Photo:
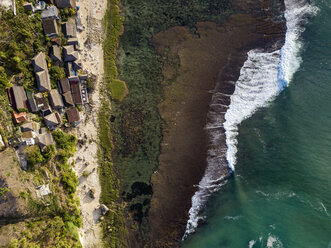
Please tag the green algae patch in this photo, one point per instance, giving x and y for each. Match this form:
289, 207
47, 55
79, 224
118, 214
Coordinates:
118, 89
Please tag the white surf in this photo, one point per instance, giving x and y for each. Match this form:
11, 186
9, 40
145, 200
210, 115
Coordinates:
262, 77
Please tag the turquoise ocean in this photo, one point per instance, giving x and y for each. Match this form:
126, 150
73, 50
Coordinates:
280, 192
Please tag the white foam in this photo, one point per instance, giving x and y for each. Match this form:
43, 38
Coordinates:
262, 77
257, 84
273, 242
251, 243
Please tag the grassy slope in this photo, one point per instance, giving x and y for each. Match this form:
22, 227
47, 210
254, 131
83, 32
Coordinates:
113, 224
137, 127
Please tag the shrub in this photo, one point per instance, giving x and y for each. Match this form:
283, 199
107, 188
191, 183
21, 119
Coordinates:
66, 13
34, 156
4, 82
22, 110
3, 191
71, 230
56, 73
70, 181
65, 141
49, 152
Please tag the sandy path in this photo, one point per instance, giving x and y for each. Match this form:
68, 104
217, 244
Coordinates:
90, 40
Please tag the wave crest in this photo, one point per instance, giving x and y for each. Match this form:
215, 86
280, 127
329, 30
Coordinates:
262, 77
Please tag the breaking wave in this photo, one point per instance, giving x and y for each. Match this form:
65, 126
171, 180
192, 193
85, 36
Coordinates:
265, 74
262, 77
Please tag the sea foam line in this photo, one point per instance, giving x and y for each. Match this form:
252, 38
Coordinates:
262, 77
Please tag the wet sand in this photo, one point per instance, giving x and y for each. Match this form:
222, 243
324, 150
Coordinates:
195, 62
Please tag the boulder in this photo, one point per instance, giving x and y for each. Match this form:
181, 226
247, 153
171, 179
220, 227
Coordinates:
104, 209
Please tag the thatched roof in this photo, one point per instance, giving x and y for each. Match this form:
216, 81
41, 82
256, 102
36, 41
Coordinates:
73, 115
55, 99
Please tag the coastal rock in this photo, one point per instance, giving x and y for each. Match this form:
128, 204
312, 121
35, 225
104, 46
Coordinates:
91, 193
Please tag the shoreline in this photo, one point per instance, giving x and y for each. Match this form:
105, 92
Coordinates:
89, 188
184, 148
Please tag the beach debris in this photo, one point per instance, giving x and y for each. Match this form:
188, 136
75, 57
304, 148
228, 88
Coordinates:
104, 209
43, 190
91, 193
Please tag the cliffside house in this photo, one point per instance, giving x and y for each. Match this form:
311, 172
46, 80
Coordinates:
69, 30
30, 126
83, 76
65, 4
70, 54
49, 1
67, 99
73, 41
73, 116
19, 117
69, 69
52, 120
28, 6
32, 105
18, 96
76, 92
45, 139
64, 85
51, 13
56, 41
42, 105
41, 72
28, 137
55, 53
55, 99
50, 27
77, 65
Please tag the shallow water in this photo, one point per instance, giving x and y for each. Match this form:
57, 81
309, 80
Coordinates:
279, 195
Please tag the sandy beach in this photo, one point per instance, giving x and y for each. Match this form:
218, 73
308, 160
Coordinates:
91, 13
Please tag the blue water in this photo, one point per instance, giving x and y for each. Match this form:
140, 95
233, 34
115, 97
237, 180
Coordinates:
280, 195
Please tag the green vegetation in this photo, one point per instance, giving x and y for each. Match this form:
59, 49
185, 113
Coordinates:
113, 237
43, 233
118, 90
79, 107
66, 144
21, 38
33, 156
4, 82
22, 110
55, 217
3, 191
56, 73
49, 152
70, 181
2, 133
66, 13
